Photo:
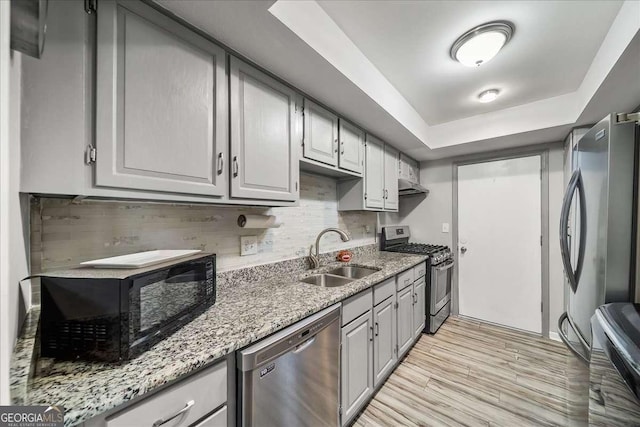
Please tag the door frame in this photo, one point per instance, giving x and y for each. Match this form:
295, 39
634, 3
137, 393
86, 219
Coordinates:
543, 153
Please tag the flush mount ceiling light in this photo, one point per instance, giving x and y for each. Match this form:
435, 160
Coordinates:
488, 95
480, 44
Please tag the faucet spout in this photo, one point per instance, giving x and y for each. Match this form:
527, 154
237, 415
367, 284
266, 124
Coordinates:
315, 259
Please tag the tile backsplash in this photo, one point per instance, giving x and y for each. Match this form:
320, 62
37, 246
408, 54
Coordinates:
64, 234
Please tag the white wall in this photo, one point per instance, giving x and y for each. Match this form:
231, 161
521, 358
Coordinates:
426, 215
13, 209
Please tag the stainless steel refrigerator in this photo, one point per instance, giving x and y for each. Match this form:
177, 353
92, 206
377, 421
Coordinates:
597, 243
598, 253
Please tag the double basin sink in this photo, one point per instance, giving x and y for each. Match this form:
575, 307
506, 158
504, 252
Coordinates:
339, 276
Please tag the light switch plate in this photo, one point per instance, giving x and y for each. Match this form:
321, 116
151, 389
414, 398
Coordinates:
248, 245
445, 227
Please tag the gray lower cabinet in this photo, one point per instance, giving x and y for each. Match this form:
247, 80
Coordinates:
264, 131
320, 141
161, 104
384, 339
351, 147
419, 308
357, 364
405, 319
201, 400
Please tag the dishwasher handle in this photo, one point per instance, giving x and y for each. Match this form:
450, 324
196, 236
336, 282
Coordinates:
302, 347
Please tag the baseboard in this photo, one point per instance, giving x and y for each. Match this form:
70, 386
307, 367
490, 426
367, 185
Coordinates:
554, 336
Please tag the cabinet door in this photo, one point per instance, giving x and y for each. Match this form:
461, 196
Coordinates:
390, 178
419, 309
374, 173
351, 147
384, 339
405, 320
263, 134
357, 365
161, 104
320, 134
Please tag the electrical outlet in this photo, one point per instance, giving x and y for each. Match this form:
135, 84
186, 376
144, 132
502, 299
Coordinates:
445, 227
248, 245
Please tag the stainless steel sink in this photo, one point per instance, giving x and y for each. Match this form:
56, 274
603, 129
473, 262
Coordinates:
326, 280
353, 272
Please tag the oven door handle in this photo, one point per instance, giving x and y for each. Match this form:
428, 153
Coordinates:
443, 267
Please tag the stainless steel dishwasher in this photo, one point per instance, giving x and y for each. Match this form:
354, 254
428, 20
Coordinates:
292, 378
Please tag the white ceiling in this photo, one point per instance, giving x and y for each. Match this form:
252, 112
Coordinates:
385, 64
409, 41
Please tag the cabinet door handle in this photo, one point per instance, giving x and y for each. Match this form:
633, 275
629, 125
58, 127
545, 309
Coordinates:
220, 163
371, 329
163, 421
235, 166
335, 145
377, 329
415, 299
342, 148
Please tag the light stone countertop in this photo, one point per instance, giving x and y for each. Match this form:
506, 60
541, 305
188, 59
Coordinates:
245, 311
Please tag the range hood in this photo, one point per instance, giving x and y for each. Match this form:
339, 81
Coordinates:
406, 188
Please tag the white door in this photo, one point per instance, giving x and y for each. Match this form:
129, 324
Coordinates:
499, 243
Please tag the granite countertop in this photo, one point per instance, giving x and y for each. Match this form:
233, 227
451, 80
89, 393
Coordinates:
245, 311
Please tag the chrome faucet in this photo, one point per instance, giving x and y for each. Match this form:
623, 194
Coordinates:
315, 259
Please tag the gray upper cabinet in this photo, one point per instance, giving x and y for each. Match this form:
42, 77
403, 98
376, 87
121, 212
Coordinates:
390, 178
351, 147
408, 169
384, 341
264, 132
374, 173
161, 104
320, 141
357, 364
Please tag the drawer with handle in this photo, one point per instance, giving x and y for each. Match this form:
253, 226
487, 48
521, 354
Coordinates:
420, 270
405, 279
356, 306
384, 290
179, 405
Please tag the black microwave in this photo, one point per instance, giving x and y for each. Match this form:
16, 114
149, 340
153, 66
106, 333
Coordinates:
113, 315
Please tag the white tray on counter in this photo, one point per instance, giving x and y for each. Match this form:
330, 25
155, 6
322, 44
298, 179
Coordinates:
140, 259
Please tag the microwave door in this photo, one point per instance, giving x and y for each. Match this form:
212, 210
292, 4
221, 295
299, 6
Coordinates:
158, 300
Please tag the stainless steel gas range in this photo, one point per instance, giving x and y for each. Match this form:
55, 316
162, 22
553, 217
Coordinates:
439, 272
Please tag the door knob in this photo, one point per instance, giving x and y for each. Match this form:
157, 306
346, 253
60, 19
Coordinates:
463, 249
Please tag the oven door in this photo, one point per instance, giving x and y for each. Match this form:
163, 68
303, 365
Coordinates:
440, 284
162, 300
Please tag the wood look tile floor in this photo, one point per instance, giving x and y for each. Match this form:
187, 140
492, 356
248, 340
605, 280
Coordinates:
476, 374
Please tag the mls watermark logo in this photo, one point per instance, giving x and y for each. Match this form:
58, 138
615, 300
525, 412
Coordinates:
31, 416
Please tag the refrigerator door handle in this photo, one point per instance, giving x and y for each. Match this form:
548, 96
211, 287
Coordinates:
575, 183
568, 343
